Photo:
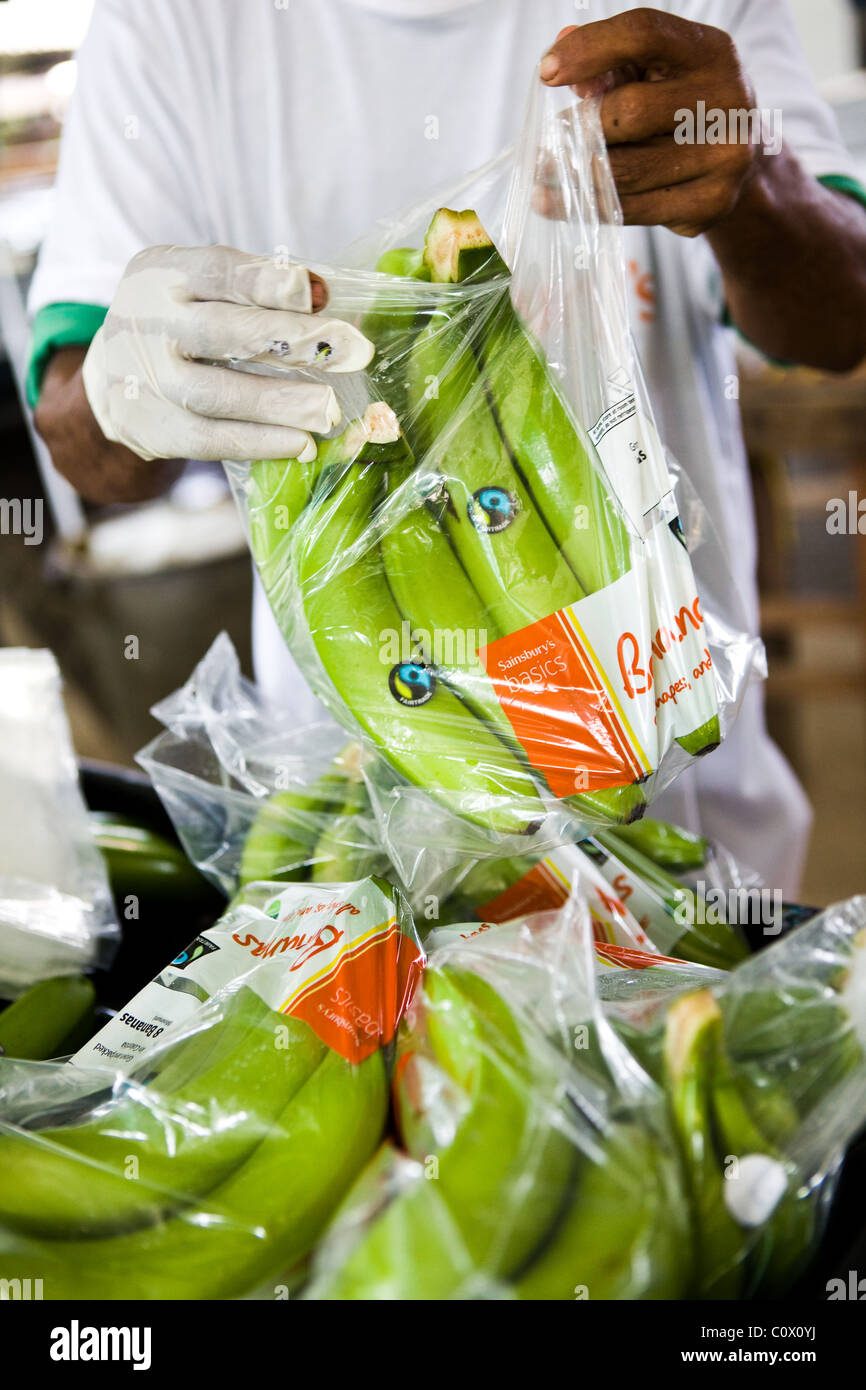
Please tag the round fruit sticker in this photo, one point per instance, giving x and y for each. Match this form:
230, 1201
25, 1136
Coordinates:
411, 683
492, 509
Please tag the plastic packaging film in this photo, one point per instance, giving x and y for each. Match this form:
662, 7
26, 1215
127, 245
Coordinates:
251, 796
56, 913
657, 1131
484, 575
199, 1143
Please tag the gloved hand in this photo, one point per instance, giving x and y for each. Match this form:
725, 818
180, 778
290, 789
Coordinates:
150, 390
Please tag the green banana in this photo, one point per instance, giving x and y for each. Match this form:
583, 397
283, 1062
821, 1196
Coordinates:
703, 739
142, 862
551, 453
435, 596
785, 1237
278, 490
623, 1234
281, 838
457, 248
418, 724
504, 1175
410, 1251
266, 1215
391, 325
692, 1025
488, 513
196, 1121
668, 846
36, 1025
791, 1043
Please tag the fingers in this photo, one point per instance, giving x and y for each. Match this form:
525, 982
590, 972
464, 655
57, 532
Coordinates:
650, 38
330, 344
184, 435
220, 393
319, 292
687, 208
233, 277
221, 330
661, 163
221, 272
640, 110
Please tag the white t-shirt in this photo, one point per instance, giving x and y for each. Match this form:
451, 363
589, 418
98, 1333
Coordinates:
298, 123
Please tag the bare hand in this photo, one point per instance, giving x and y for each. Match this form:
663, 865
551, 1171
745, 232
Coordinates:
652, 67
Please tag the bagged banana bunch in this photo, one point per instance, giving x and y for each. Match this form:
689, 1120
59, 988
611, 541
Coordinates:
538, 1160
663, 1131
253, 797
541, 1163
765, 1074
632, 900
196, 1147
484, 575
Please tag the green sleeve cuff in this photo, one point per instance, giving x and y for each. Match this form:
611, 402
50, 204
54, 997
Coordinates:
58, 326
844, 183
840, 183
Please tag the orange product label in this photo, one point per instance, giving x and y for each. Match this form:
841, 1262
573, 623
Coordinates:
539, 890
356, 1001
562, 707
631, 960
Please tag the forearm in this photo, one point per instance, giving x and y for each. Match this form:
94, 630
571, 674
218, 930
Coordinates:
98, 469
793, 262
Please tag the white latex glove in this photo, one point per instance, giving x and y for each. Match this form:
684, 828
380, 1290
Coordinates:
175, 305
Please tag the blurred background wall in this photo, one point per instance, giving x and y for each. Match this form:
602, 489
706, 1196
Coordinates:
172, 574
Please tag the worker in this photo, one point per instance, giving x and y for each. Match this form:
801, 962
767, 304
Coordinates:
204, 133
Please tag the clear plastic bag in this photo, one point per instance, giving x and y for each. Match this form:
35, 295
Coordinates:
198, 1144
572, 1132
251, 795
766, 1076
56, 911
485, 576
513, 1097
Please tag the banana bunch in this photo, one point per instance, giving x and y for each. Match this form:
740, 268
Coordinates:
213, 1166
262, 1217
755, 1220
661, 905
470, 756
506, 567
496, 362
504, 1196
415, 719
469, 509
